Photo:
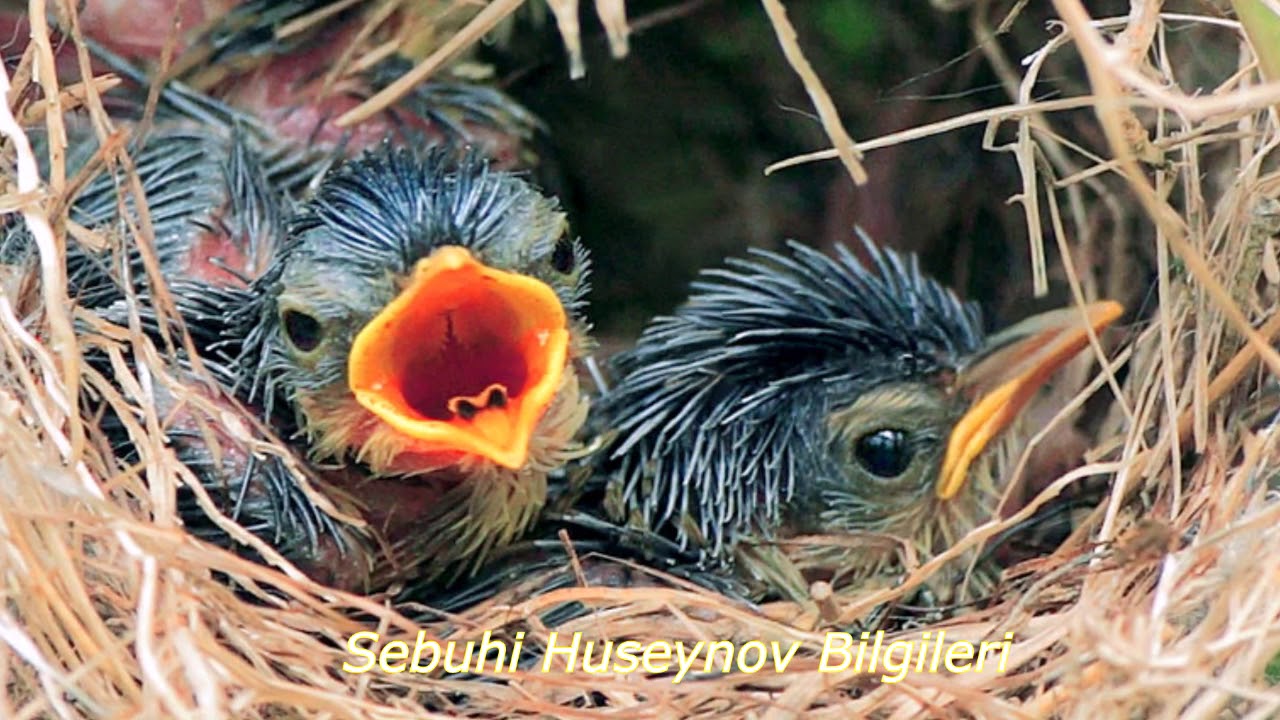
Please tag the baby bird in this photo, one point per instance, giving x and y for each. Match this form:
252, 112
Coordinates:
406, 323
300, 65
421, 322
798, 394
408, 330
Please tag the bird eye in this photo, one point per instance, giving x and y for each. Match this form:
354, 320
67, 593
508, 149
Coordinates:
562, 258
884, 453
303, 331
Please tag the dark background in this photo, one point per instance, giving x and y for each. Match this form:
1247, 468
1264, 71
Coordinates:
661, 155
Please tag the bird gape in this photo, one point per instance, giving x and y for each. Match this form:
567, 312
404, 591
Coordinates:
465, 358
803, 418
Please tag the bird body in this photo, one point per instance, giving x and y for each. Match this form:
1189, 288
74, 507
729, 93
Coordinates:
796, 394
215, 212
408, 292
277, 284
210, 203
297, 66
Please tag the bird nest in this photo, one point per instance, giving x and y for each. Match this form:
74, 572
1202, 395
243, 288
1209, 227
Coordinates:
1162, 602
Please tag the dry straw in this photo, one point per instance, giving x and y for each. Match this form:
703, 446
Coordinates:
1163, 603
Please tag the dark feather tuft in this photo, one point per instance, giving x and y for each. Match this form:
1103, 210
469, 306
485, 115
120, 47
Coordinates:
717, 410
376, 216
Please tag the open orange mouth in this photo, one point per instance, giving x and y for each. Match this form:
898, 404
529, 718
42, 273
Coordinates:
1011, 370
465, 359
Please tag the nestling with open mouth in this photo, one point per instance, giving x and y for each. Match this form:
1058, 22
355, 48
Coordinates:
421, 321
409, 331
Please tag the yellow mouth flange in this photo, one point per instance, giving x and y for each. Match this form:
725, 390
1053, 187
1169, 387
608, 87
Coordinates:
466, 359
1017, 363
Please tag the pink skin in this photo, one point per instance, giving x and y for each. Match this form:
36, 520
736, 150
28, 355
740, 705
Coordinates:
285, 91
139, 29
134, 29
289, 94
219, 260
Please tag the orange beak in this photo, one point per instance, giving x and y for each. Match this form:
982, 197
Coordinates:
465, 359
1014, 365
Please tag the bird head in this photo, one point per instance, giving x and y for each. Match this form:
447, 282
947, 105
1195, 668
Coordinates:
423, 315
796, 393
910, 452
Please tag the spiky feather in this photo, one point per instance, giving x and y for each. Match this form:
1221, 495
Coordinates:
350, 247
376, 216
720, 412
212, 182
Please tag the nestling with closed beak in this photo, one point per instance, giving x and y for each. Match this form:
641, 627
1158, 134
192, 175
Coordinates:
796, 394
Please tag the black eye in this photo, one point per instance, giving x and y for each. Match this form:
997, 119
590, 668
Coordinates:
884, 453
562, 258
302, 330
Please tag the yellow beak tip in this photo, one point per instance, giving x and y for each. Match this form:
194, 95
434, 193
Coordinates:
1044, 344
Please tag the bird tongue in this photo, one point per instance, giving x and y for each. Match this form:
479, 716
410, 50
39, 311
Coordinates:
465, 359
1013, 366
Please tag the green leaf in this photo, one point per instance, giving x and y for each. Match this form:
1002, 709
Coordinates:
851, 26
1262, 26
